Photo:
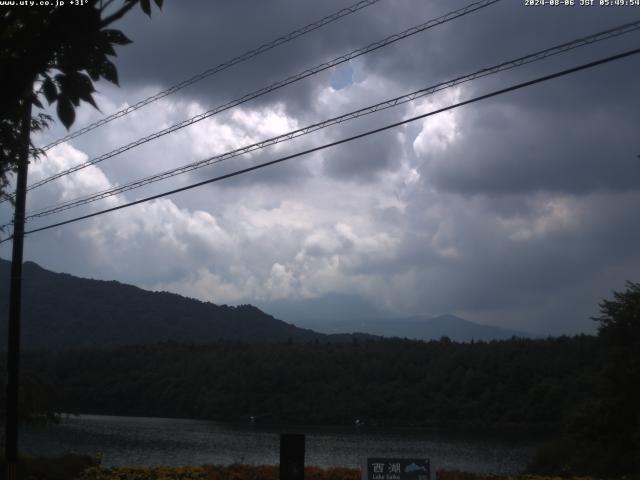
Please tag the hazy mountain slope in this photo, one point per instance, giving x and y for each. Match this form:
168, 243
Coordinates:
331, 307
61, 311
422, 328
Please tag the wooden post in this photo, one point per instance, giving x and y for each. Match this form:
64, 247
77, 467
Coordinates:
15, 295
292, 456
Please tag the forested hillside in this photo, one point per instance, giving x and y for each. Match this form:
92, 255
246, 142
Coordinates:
61, 311
533, 383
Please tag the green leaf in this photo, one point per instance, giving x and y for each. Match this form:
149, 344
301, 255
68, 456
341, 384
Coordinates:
83, 83
107, 48
50, 91
89, 99
146, 6
94, 66
109, 72
116, 37
76, 86
66, 112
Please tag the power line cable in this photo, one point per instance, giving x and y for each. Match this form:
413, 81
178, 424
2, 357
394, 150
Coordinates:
344, 140
524, 60
218, 68
292, 79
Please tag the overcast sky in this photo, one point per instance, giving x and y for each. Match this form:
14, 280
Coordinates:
519, 211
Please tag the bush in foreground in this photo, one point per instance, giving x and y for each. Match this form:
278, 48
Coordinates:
213, 472
76, 467
269, 472
66, 467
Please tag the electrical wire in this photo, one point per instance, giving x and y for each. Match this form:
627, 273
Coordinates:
292, 79
344, 140
218, 68
524, 60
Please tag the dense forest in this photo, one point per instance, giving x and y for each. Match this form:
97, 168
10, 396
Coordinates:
583, 389
533, 383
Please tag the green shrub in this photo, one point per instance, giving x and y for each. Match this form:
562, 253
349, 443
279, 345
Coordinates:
66, 467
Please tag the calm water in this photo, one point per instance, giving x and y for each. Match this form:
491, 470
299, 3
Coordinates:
162, 441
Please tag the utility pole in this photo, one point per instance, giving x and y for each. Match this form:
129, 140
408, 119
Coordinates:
15, 292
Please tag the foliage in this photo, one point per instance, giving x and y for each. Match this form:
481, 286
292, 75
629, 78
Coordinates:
603, 434
51, 468
611, 429
60, 51
458, 475
36, 398
268, 472
525, 383
87, 468
213, 472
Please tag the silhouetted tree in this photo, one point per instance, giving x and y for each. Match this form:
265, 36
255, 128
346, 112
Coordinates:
56, 53
620, 333
603, 435
382, 382
61, 51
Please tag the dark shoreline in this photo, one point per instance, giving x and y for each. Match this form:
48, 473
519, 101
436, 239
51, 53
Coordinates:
465, 431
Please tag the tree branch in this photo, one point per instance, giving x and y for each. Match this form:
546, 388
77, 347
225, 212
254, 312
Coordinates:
118, 14
105, 5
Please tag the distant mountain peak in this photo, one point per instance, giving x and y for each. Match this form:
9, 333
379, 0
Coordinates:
420, 327
61, 311
27, 265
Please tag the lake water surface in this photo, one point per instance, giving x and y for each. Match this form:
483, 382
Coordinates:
163, 441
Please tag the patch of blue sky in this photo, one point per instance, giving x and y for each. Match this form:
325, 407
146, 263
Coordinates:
342, 76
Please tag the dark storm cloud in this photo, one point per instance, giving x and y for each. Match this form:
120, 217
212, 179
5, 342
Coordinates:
498, 33
510, 149
525, 217
173, 43
294, 172
366, 160
558, 273
192, 35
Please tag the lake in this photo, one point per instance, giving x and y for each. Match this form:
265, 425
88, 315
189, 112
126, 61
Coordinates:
164, 441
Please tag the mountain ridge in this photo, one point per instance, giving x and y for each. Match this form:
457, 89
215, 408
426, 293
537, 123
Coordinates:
61, 311
417, 328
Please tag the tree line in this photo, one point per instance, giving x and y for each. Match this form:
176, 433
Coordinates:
533, 383
585, 390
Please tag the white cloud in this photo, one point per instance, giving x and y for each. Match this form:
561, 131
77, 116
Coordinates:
438, 132
58, 159
398, 237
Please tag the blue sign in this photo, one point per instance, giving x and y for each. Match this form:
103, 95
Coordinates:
398, 469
